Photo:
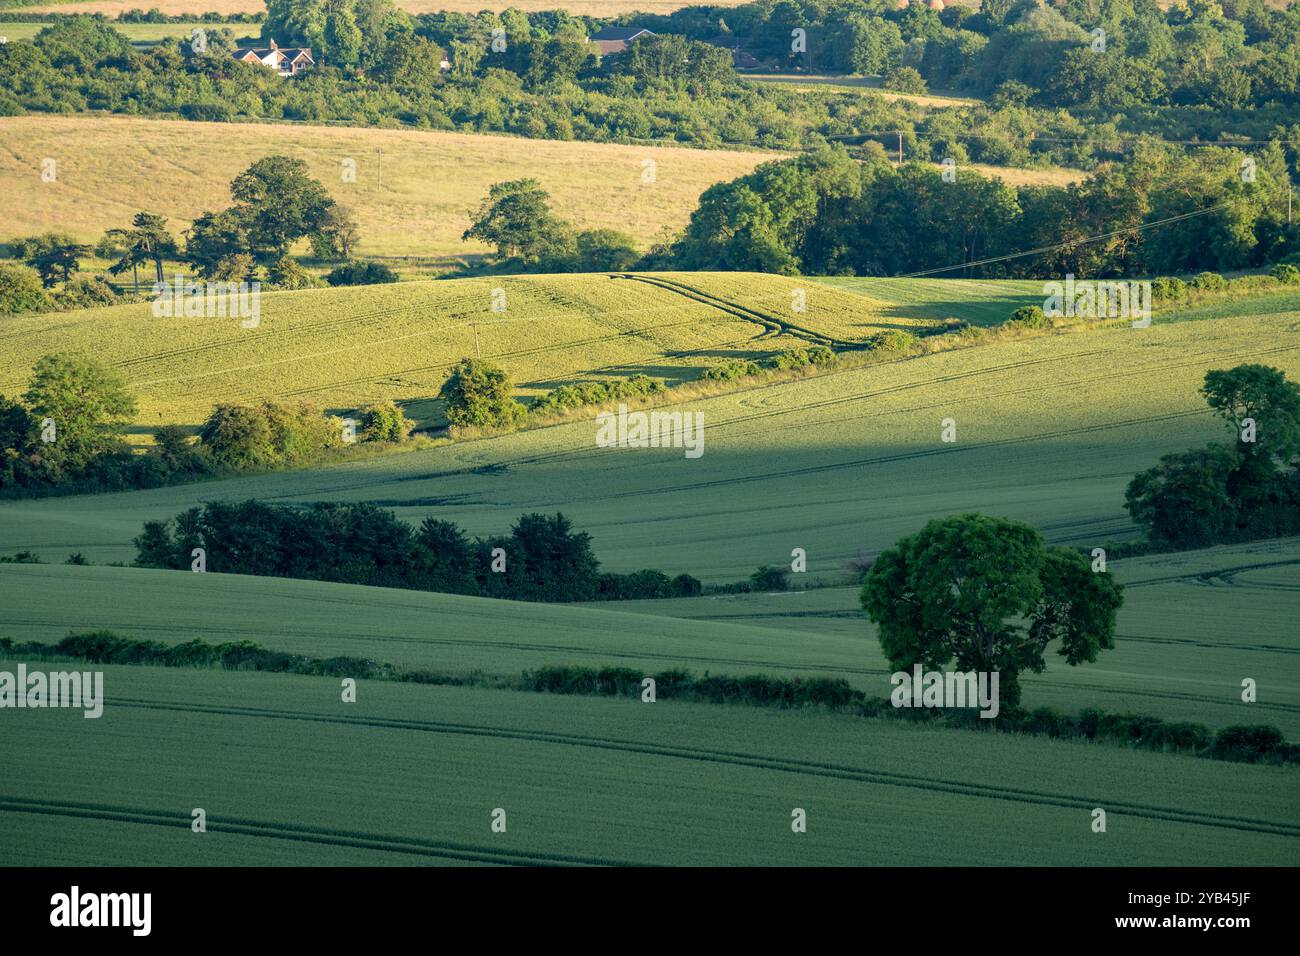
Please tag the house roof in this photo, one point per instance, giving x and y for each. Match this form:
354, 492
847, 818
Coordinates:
288, 52
619, 33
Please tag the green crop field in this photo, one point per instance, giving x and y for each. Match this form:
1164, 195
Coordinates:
1191, 622
343, 347
280, 766
413, 192
1049, 430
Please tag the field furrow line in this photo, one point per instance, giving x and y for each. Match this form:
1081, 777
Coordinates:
320, 835
790, 765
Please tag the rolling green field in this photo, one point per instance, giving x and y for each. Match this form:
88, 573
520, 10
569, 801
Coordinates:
1050, 429
341, 348
1193, 625
282, 767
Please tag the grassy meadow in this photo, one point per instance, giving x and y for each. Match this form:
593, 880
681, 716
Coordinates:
413, 192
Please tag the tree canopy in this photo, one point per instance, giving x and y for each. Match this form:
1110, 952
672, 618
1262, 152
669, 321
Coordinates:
987, 594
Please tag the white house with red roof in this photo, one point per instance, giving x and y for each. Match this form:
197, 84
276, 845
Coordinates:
287, 61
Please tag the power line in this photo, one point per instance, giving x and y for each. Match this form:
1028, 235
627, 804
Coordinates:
1067, 244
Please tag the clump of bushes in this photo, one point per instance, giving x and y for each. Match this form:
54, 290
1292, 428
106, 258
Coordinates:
360, 273
1285, 273
892, 340
768, 578
816, 355
647, 585
244, 437
1029, 317
595, 393
1208, 282
904, 79
730, 370
1168, 289
384, 421
478, 395
83, 292
21, 290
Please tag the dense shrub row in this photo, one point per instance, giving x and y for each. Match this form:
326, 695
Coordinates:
568, 397
542, 559
813, 356
1256, 743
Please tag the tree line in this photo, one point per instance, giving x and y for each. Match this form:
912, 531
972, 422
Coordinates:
276, 204
66, 434
1240, 490
826, 214
545, 84
541, 559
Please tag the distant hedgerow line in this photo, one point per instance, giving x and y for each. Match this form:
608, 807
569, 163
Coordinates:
1257, 743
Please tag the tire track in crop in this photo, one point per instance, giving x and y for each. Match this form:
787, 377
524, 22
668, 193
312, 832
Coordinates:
1212, 645
1205, 575
758, 761
320, 835
772, 325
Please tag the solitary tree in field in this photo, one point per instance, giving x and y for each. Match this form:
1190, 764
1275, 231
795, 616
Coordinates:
1241, 489
516, 217
988, 594
1262, 394
478, 395
278, 203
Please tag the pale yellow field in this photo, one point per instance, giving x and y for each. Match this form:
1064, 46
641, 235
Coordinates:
413, 190
860, 83
1051, 176
586, 8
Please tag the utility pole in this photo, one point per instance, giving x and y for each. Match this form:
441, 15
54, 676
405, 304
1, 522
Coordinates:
477, 351
379, 170
900, 147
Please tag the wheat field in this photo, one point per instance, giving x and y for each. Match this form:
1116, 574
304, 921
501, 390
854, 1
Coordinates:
412, 195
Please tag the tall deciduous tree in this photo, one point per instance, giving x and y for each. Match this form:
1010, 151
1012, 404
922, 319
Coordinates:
516, 217
88, 403
988, 594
